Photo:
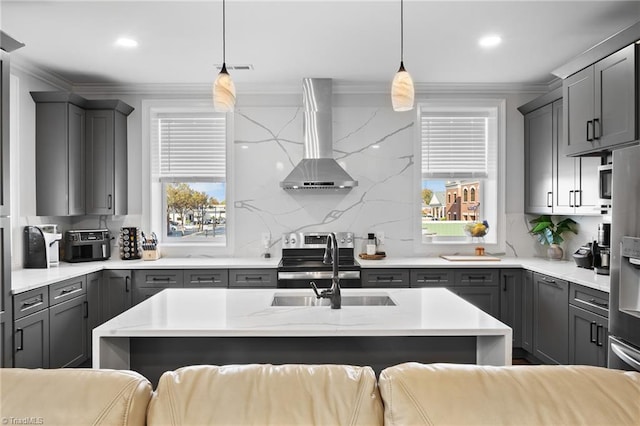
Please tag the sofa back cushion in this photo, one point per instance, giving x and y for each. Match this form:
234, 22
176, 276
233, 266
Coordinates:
446, 394
267, 395
74, 396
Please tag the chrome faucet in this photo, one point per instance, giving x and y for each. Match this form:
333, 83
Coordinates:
331, 256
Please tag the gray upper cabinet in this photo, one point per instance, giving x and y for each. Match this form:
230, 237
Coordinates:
106, 158
538, 128
81, 155
554, 182
600, 104
60, 165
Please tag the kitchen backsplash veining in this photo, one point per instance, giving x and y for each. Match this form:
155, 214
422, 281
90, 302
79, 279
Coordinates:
374, 144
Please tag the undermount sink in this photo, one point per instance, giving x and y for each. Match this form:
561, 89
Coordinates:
347, 300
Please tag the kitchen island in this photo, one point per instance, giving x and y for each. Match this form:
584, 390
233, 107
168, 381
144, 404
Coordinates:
220, 326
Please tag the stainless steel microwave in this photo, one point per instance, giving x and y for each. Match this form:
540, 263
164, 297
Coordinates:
605, 177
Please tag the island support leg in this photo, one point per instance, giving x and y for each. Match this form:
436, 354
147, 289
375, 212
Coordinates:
494, 350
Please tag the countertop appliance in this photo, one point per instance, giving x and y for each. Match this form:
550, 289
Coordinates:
624, 295
41, 246
601, 249
302, 255
85, 245
584, 257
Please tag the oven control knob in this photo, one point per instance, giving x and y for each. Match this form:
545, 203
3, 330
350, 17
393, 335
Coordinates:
286, 241
293, 241
349, 240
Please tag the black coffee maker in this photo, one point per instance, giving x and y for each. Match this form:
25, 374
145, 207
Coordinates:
601, 250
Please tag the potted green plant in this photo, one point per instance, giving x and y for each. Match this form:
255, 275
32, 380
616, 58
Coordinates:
549, 233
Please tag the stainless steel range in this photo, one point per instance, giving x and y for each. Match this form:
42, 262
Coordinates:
302, 261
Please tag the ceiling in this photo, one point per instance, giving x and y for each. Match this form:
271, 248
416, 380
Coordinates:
180, 42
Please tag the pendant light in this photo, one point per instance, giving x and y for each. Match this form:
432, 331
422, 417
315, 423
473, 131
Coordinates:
224, 91
402, 91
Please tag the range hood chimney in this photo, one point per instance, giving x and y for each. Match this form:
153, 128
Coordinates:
318, 169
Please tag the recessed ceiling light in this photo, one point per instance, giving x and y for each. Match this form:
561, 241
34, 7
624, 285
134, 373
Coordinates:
375, 146
126, 42
490, 41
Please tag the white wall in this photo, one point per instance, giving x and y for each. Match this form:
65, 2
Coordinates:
271, 127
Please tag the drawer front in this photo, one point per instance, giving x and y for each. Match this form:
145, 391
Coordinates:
385, 278
30, 301
431, 277
67, 289
252, 278
472, 277
206, 278
159, 278
590, 299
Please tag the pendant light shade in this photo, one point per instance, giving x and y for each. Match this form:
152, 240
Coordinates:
402, 90
224, 91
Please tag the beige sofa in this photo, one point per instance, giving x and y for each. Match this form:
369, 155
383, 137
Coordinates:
405, 394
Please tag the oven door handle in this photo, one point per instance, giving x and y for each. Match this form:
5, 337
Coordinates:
317, 275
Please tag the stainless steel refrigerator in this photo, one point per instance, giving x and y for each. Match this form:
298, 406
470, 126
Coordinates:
624, 297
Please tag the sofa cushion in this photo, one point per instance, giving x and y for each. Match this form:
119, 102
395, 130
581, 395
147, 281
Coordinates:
267, 394
73, 397
448, 394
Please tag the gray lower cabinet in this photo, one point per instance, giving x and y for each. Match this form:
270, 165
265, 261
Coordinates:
31, 329
253, 278
6, 305
588, 325
527, 311
147, 283
550, 319
385, 278
68, 323
511, 284
206, 278
117, 293
431, 277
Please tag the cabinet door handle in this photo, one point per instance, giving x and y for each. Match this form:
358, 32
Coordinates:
593, 338
20, 346
127, 287
599, 342
86, 309
589, 124
571, 199
597, 131
549, 199
109, 201
577, 192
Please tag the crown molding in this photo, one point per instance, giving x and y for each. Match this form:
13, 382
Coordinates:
32, 70
340, 87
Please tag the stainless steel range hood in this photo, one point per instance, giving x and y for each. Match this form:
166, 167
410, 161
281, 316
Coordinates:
318, 169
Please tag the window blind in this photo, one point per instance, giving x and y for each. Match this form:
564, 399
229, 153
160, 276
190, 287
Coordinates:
454, 146
192, 148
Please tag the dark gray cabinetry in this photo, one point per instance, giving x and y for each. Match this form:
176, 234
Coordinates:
588, 326
106, 157
31, 329
147, 283
575, 180
550, 319
6, 315
206, 278
600, 104
431, 277
60, 163
511, 283
117, 293
252, 278
554, 182
538, 130
527, 311
479, 287
385, 278
68, 322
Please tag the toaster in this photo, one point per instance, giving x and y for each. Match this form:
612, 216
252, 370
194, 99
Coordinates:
584, 257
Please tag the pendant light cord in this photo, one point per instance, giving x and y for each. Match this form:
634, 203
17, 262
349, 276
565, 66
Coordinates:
224, 31
401, 31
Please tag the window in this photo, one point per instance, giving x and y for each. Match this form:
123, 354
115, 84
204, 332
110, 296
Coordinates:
459, 156
189, 163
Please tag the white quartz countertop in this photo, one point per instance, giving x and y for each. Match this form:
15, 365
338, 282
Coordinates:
27, 279
226, 312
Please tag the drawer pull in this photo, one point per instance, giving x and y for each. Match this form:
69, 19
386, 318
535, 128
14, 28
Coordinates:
253, 278
68, 290
167, 279
384, 278
30, 303
600, 304
548, 280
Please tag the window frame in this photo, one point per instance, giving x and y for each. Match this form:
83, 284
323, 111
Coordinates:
154, 204
497, 162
